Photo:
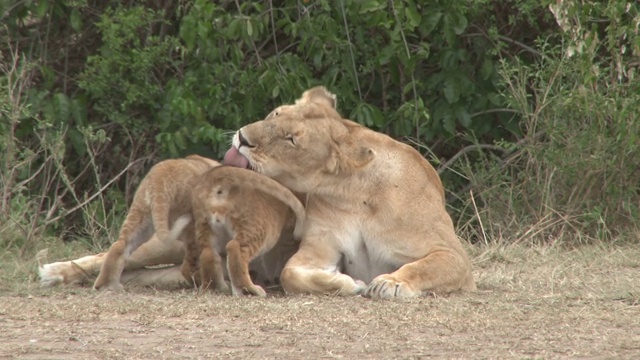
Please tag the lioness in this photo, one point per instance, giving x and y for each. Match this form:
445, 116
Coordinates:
375, 207
243, 212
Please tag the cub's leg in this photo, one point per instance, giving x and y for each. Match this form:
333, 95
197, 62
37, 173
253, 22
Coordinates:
160, 210
240, 251
136, 230
129, 251
190, 269
210, 262
314, 270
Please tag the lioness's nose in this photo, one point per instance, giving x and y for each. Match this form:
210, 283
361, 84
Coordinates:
243, 141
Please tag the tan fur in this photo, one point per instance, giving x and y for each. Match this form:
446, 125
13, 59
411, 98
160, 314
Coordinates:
157, 251
161, 201
375, 207
243, 213
153, 252
142, 268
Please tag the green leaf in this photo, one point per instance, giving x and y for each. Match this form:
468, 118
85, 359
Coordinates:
378, 116
188, 34
370, 6
486, 69
249, 28
41, 8
234, 29
495, 99
451, 90
79, 114
75, 19
179, 140
463, 117
62, 106
412, 15
275, 91
430, 21
407, 88
459, 23
449, 124
77, 141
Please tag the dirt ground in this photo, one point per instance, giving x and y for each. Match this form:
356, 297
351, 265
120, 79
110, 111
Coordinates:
530, 303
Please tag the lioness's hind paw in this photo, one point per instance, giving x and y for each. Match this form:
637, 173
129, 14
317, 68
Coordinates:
51, 274
385, 287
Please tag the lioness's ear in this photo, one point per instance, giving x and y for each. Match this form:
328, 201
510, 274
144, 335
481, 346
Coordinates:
318, 95
346, 154
346, 158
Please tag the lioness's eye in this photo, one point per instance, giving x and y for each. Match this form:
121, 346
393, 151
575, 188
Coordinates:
271, 115
290, 138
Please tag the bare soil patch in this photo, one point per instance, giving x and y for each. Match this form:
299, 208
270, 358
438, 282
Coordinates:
530, 303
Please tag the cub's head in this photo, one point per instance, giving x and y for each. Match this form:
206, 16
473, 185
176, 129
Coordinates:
300, 145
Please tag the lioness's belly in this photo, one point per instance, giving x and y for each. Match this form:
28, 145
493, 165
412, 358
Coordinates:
363, 262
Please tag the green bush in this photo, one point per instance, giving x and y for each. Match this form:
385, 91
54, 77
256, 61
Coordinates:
507, 98
573, 176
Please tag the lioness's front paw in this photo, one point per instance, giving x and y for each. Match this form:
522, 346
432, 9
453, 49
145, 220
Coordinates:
385, 286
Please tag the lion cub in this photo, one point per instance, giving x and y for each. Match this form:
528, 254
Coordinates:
244, 213
162, 199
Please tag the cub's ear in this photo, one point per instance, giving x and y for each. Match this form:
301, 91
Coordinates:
318, 95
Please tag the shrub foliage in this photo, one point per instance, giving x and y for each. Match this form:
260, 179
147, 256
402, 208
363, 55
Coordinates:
529, 104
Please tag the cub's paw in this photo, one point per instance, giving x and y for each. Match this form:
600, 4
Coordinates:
109, 287
361, 287
386, 286
252, 290
222, 287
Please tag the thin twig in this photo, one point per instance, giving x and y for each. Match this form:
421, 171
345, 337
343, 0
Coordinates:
273, 27
98, 193
353, 59
413, 80
507, 40
467, 149
475, 208
491, 111
255, 49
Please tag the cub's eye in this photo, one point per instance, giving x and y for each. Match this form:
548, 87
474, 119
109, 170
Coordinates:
290, 138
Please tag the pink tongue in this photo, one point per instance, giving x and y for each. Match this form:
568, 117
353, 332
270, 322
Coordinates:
234, 158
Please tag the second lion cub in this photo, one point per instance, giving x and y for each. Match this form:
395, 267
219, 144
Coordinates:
244, 214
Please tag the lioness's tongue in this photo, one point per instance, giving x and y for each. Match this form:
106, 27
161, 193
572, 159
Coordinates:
234, 158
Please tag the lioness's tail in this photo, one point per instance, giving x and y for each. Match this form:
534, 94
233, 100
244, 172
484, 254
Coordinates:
247, 178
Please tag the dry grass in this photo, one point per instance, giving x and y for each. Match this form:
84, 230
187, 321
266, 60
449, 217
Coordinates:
531, 303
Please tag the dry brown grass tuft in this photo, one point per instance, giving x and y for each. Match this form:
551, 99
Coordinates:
542, 302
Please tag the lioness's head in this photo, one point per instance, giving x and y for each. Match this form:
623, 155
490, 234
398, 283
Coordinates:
300, 145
